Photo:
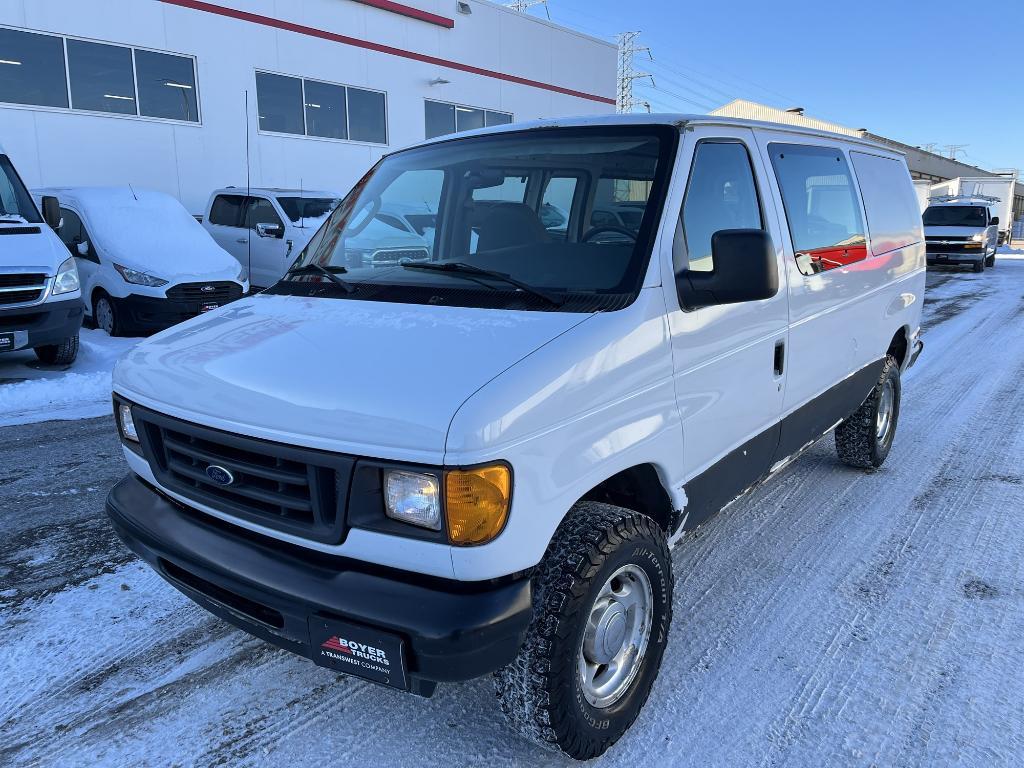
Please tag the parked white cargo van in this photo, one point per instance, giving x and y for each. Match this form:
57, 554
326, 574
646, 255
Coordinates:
265, 229
961, 229
477, 464
996, 191
145, 263
40, 297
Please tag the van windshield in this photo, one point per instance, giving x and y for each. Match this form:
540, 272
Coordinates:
500, 221
955, 216
16, 205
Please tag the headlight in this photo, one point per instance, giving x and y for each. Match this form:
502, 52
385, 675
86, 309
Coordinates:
414, 498
978, 237
67, 278
139, 278
477, 503
124, 417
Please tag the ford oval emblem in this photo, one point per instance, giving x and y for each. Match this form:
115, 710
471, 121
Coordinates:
208, 288
220, 475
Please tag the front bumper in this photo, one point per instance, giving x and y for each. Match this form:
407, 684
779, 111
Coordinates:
43, 324
148, 314
938, 259
453, 630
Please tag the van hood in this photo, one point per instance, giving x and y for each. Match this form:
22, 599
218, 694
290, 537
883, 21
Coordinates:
952, 231
365, 378
41, 252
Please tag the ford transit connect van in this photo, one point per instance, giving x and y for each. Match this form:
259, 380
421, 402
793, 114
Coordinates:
40, 297
478, 464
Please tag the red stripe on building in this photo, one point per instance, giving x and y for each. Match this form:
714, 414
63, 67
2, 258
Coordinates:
288, 26
412, 13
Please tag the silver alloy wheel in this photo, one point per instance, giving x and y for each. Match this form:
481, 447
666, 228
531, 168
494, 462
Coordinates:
616, 636
105, 315
886, 406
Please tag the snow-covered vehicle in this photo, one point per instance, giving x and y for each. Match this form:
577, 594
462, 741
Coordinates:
145, 263
478, 464
265, 229
40, 294
961, 229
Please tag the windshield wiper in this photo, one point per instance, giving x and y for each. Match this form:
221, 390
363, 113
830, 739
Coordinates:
468, 270
329, 272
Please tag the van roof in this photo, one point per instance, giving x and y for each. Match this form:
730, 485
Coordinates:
679, 120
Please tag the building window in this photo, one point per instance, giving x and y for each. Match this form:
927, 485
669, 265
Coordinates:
442, 118
280, 103
167, 86
32, 69
100, 77
300, 107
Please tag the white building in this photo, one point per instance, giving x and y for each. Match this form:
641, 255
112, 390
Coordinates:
155, 92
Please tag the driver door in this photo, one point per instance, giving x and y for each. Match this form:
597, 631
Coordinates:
74, 235
268, 247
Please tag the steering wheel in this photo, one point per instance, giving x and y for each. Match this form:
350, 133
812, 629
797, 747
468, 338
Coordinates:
590, 233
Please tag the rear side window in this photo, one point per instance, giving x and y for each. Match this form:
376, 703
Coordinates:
227, 210
721, 195
821, 206
894, 218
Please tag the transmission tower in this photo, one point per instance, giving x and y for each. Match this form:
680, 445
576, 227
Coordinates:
628, 73
522, 6
952, 150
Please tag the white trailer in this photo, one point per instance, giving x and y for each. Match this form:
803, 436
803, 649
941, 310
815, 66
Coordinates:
1000, 187
924, 192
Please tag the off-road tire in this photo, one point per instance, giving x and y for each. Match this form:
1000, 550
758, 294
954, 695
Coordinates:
540, 691
59, 354
857, 441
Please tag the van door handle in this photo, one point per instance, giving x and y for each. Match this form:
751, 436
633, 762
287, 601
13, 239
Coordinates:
242, 240
780, 358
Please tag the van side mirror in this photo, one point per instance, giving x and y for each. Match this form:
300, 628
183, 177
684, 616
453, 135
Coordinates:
745, 269
994, 222
83, 249
270, 230
51, 212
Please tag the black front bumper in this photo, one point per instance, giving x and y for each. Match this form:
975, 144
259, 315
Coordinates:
148, 314
44, 324
453, 630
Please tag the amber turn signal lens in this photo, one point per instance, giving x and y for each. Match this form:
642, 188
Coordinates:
476, 503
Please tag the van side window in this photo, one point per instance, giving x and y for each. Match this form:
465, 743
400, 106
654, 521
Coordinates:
821, 206
70, 231
721, 194
894, 218
227, 210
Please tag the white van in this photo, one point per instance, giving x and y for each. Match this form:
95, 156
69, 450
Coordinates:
264, 229
145, 263
961, 229
478, 464
40, 296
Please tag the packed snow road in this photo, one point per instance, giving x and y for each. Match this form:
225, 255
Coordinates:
830, 618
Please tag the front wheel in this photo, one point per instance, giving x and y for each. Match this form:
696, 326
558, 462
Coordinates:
106, 316
864, 439
979, 266
59, 354
602, 608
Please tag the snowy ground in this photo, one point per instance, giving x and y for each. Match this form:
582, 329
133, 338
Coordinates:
831, 618
31, 391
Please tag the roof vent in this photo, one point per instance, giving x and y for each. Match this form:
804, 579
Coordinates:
796, 110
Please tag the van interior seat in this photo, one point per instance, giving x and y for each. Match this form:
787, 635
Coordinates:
505, 225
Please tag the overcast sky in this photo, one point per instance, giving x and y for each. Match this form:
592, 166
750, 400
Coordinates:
941, 73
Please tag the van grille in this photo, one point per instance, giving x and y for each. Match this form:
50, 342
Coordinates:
21, 288
294, 490
222, 293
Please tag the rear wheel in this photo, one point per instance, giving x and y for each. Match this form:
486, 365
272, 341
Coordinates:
864, 439
106, 316
602, 609
59, 354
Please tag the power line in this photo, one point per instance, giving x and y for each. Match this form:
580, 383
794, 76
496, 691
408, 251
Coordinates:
522, 6
628, 73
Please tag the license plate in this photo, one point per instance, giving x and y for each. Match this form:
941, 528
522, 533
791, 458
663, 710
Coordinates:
6, 342
359, 651
208, 307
